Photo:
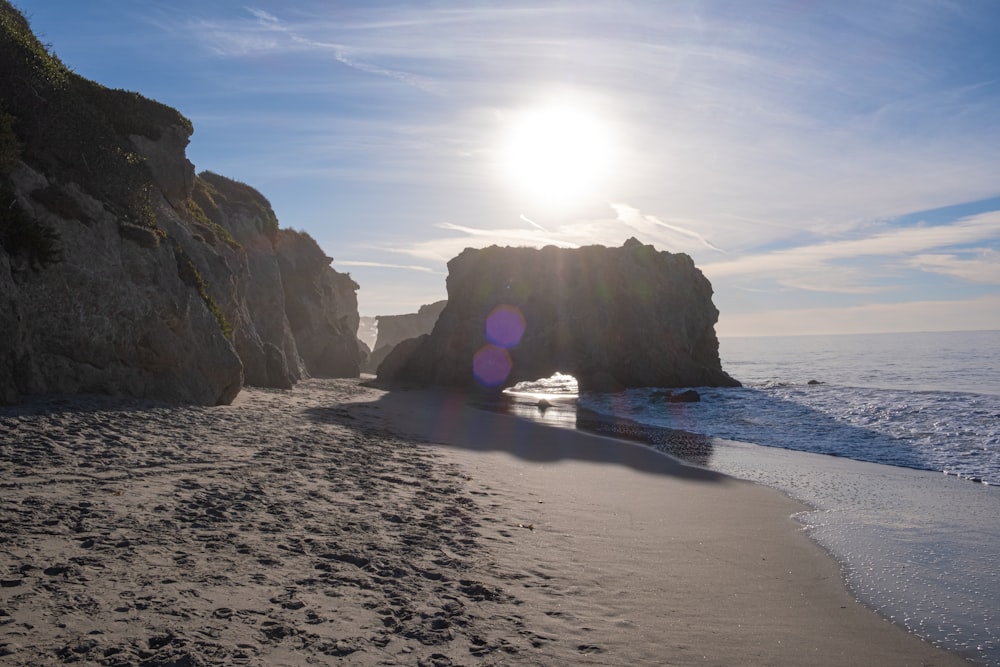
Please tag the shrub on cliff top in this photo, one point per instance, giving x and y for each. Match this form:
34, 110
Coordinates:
74, 129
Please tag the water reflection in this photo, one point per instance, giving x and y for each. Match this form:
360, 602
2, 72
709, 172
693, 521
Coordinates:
548, 409
563, 411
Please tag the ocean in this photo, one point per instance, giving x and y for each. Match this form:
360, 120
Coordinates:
893, 440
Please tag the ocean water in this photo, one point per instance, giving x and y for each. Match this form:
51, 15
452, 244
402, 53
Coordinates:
861, 428
929, 401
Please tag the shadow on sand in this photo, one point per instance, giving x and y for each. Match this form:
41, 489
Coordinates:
439, 417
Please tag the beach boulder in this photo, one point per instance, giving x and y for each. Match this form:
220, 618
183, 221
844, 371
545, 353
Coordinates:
612, 317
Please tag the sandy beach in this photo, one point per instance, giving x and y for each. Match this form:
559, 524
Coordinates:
337, 523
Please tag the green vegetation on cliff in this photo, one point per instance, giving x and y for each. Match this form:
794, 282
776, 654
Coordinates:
188, 272
73, 129
212, 191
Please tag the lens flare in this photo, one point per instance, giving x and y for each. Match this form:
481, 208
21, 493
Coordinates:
505, 326
491, 365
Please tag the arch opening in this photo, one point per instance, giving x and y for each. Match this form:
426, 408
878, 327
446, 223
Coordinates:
550, 400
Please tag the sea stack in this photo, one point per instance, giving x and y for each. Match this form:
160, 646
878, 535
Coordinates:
613, 317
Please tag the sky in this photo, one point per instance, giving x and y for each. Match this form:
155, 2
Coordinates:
831, 167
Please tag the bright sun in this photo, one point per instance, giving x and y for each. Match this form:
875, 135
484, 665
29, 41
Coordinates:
557, 155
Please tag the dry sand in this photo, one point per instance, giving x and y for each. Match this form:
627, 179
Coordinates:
338, 524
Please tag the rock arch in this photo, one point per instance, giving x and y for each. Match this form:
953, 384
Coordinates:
612, 317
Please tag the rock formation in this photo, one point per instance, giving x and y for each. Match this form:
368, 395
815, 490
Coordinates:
321, 306
612, 317
394, 329
122, 272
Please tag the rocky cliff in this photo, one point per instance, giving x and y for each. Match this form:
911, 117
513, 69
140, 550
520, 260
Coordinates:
321, 306
123, 272
394, 329
612, 317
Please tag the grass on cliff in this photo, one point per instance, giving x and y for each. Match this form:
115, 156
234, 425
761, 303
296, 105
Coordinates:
73, 129
211, 228
192, 277
212, 191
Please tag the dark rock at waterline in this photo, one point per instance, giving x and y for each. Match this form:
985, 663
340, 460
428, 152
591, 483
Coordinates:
814, 382
687, 396
612, 317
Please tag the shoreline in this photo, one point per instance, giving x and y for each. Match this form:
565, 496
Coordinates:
639, 460
888, 527
338, 524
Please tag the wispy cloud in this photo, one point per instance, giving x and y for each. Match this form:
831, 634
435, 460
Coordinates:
441, 250
979, 266
385, 265
893, 243
653, 226
268, 34
609, 230
532, 223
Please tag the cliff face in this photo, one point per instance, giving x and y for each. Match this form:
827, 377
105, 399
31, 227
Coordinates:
122, 272
394, 329
611, 317
116, 314
321, 306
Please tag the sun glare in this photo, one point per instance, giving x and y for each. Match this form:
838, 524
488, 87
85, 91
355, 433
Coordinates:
557, 155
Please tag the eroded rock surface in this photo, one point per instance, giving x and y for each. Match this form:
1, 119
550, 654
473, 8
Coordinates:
612, 317
121, 272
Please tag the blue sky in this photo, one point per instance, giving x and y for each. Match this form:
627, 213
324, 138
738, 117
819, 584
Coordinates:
831, 166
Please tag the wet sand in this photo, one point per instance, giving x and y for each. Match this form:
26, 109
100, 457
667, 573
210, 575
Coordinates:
338, 524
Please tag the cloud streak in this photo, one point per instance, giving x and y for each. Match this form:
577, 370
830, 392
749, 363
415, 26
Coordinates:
888, 244
982, 267
612, 231
385, 265
649, 224
270, 35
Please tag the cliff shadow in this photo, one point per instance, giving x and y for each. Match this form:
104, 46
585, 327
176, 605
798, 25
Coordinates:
447, 418
563, 411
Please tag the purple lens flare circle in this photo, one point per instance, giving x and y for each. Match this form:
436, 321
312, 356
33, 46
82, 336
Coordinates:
505, 326
491, 365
